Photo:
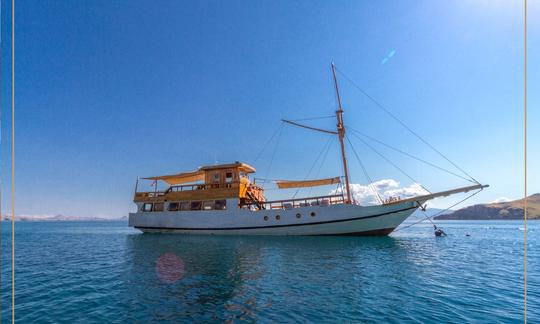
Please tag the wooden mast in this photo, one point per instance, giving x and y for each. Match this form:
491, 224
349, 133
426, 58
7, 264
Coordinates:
341, 135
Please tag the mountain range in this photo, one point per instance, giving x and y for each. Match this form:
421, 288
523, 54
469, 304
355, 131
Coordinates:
498, 211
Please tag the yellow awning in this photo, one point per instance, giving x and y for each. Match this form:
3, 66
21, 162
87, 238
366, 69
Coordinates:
180, 178
284, 184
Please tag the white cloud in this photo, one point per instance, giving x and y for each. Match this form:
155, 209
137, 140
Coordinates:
500, 200
386, 188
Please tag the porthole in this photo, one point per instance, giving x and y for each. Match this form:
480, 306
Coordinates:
298, 215
265, 218
312, 214
278, 217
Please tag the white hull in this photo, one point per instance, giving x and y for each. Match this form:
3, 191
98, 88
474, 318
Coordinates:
339, 219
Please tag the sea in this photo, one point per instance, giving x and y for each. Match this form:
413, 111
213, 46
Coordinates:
106, 272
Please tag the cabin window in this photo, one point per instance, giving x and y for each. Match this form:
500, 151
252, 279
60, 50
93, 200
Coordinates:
196, 205
158, 207
278, 217
312, 214
298, 215
221, 204
147, 207
215, 177
184, 205
173, 206
265, 218
208, 205
228, 177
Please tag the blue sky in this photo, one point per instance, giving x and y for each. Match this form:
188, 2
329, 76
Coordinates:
111, 90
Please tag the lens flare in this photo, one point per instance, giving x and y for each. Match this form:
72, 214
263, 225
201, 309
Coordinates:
170, 268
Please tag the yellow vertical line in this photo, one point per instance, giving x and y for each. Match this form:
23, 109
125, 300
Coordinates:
13, 161
525, 170
1, 182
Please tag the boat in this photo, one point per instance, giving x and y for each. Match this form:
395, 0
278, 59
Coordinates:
225, 199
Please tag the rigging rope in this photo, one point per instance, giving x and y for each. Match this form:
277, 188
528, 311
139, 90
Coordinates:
325, 149
392, 163
274, 153
330, 137
322, 162
409, 155
268, 142
370, 182
403, 124
438, 213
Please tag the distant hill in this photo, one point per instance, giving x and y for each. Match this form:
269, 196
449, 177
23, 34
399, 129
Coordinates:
430, 212
498, 211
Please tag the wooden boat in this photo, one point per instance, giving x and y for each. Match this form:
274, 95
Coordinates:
223, 199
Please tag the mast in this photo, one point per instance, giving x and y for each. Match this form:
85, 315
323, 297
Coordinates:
341, 135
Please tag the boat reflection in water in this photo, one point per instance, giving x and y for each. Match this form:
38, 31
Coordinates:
253, 278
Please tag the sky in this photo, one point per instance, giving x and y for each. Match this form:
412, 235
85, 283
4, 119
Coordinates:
108, 91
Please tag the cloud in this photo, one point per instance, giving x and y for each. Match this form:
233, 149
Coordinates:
386, 188
500, 200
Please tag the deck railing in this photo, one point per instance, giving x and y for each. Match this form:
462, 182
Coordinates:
392, 200
302, 202
189, 187
202, 186
149, 194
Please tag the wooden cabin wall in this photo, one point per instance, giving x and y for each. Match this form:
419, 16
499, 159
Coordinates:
209, 175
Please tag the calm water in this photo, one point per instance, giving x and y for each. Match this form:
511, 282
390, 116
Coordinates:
106, 272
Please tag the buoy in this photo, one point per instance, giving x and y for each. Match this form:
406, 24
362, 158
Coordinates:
438, 231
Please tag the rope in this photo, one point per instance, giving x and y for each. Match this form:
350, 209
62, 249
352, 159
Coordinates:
268, 142
409, 155
325, 150
322, 162
438, 213
315, 162
370, 182
273, 153
404, 125
392, 163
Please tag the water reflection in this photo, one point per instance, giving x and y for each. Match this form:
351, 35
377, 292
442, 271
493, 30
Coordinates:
214, 272
227, 278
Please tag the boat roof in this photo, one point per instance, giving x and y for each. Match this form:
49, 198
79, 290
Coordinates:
243, 167
198, 175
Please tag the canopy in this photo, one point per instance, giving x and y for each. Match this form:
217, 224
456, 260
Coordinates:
180, 178
284, 184
242, 167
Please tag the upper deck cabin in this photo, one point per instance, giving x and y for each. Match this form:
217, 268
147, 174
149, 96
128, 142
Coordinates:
214, 183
